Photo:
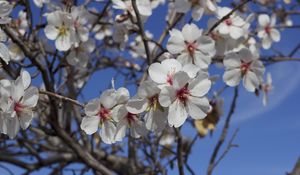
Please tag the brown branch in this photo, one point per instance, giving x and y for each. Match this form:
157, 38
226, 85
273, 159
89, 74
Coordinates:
61, 97
180, 162
223, 135
142, 31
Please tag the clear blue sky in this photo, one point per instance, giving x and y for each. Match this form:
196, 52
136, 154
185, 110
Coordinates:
269, 137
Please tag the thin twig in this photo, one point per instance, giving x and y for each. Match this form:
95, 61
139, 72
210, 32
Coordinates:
223, 135
141, 30
61, 97
179, 152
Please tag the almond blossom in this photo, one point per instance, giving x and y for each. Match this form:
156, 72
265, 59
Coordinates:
129, 120
103, 113
17, 103
40, 3
267, 31
243, 65
232, 26
186, 97
192, 46
61, 29
266, 88
163, 73
146, 102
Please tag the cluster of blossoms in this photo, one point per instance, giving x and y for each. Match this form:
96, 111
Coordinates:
177, 86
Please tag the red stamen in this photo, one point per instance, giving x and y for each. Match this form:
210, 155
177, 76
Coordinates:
182, 94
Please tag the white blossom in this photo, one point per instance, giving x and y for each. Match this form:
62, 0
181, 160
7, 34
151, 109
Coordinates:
61, 29
146, 102
192, 46
103, 113
266, 88
243, 65
163, 73
40, 3
17, 103
267, 31
5, 10
186, 97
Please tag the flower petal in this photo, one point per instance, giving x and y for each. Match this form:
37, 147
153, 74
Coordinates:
177, 114
90, 125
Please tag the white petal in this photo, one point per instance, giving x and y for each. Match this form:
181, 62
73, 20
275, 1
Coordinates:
266, 42
167, 96
107, 132
191, 32
26, 78
51, 32
121, 130
92, 108
223, 29
147, 89
108, 98
25, 119
206, 45
17, 89
263, 20
122, 95
177, 114
236, 32
191, 70
232, 60
137, 105
201, 60
182, 6
90, 124
158, 73
31, 96
194, 111
199, 87
155, 120
250, 81
232, 77
176, 42
13, 127
275, 35
137, 129
180, 79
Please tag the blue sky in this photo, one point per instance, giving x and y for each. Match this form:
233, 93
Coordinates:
268, 138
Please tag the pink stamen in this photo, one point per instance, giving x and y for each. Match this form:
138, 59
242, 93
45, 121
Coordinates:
228, 22
170, 79
104, 113
182, 94
18, 107
131, 117
245, 67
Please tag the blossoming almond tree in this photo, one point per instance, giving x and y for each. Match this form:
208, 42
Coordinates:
57, 56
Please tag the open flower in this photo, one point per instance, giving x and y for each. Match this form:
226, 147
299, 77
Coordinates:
129, 120
61, 29
232, 26
192, 47
146, 102
267, 31
163, 73
17, 103
243, 65
186, 97
103, 113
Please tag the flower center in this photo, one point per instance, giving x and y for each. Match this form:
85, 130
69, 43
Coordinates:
18, 107
62, 30
104, 113
191, 47
170, 79
131, 117
268, 29
228, 22
182, 94
245, 67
